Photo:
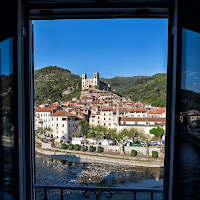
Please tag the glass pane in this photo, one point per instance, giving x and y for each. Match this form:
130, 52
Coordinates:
189, 137
6, 120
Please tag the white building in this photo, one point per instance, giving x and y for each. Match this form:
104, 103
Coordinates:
64, 124
106, 117
142, 124
158, 113
42, 117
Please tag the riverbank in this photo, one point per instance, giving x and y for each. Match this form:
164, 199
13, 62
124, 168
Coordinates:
92, 157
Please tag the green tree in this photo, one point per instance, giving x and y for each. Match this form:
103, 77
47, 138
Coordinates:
157, 132
100, 132
85, 127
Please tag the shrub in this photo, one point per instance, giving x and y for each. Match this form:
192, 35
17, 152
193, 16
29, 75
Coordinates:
70, 147
91, 149
133, 153
83, 148
76, 147
154, 154
63, 146
99, 149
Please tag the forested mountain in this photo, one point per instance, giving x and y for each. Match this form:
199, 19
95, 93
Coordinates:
56, 84
190, 100
148, 89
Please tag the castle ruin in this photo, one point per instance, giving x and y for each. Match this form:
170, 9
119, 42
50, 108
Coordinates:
93, 82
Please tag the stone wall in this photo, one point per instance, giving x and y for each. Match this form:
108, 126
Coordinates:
127, 149
113, 148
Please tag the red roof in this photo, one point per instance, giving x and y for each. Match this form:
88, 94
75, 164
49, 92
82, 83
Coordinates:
81, 112
157, 111
44, 110
106, 108
63, 113
142, 119
53, 106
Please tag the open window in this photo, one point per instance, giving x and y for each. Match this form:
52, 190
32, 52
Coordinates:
182, 142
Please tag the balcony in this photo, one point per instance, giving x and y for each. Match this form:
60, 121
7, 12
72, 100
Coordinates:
98, 193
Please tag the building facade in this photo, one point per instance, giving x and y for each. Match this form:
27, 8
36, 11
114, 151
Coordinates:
64, 124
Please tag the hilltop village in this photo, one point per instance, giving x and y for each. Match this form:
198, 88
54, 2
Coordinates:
98, 105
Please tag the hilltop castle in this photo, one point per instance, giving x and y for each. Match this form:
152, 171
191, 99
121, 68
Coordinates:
93, 82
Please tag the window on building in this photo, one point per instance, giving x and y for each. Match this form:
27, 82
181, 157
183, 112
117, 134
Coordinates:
109, 124
57, 125
109, 118
52, 118
104, 124
124, 122
93, 120
63, 125
69, 125
64, 119
104, 118
57, 118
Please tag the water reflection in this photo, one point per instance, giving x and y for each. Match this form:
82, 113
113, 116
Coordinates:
189, 129
7, 119
59, 172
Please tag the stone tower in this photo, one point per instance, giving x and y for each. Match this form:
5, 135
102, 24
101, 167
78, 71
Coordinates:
96, 79
84, 77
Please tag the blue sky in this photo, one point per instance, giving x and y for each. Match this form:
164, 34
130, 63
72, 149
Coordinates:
112, 47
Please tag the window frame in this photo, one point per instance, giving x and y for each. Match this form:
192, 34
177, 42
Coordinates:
35, 11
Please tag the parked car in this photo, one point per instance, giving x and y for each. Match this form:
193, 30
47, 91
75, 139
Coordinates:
77, 141
128, 143
91, 141
106, 142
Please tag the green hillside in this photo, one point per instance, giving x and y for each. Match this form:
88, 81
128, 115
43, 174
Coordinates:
148, 89
190, 100
50, 83
57, 84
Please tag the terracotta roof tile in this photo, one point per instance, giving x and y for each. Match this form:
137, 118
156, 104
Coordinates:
142, 119
157, 111
44, 110
63, 113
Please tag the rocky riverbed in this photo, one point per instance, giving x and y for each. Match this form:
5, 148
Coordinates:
61, 172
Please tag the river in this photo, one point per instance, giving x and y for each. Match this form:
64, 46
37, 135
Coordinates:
53, 171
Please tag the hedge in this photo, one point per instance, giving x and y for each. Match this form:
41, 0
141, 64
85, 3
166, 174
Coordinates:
83, 148
63, 146
99, 150
70, 147
133, 153
76, 147
91, 149
154, 154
